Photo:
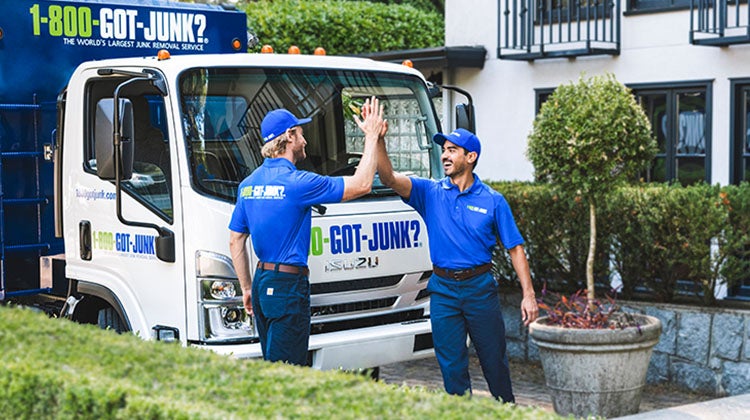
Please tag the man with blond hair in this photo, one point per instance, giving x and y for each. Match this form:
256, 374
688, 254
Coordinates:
274, 208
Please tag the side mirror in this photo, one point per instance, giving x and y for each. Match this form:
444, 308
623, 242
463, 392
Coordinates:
465, 117
104, 142
165, 250
464, 112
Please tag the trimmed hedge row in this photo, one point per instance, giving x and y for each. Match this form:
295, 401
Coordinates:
653, 235
54, 368
342, 27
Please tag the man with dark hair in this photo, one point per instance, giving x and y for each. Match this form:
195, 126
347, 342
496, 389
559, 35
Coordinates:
274, 208
465, 218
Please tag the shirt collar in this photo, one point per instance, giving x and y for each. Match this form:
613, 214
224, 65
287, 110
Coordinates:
279, 163
474, 189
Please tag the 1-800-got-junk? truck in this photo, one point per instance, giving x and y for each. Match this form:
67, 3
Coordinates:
120, 170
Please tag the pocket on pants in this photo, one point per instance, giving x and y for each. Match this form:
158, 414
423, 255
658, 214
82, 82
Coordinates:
280, 297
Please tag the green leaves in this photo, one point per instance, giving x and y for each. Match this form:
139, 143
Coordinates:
667, 242
590, 137
342, 27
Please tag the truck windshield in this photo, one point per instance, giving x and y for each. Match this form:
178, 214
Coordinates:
222, 110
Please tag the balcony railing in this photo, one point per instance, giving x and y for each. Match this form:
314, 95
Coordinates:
719, 22
537, 29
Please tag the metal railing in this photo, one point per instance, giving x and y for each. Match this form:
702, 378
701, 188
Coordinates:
537, 29
719, 22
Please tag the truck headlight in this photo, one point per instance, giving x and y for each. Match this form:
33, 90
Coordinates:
222, 289
221, 314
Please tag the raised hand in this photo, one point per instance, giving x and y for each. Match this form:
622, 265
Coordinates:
373, 122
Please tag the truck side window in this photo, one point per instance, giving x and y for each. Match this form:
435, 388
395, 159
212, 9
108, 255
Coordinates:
151, 183
152, 175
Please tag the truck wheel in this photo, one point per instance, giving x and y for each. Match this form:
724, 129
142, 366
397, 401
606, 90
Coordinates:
109, 320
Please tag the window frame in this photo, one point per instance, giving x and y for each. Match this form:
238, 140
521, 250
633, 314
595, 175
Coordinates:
93, 93
737, 86
671, 89
635, 7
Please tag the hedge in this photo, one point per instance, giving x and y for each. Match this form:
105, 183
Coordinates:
55, 368
665, 241
342, 27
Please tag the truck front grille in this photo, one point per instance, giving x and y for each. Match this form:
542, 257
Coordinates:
372, 321
341, 308
358, 284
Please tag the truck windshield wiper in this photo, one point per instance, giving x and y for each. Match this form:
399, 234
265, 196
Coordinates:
320, 209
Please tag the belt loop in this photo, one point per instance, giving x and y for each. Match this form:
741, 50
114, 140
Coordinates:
276, 268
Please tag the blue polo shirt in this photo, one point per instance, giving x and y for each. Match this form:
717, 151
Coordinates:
273, 206
463, 227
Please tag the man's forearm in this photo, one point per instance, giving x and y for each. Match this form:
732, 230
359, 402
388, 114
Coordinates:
240, 261
521, 265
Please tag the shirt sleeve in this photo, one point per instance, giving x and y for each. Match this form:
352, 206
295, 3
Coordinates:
238, 222
319, 189
418, 194
506, 225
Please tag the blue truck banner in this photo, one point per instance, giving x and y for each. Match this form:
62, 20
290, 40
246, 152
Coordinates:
39, 34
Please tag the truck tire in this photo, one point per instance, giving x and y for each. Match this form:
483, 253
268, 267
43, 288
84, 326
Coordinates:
109, 320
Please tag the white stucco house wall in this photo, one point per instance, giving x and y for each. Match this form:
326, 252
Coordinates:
697, 93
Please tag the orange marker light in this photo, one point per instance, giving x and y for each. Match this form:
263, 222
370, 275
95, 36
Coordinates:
319, 51
163, 55
236, 44
266, 49
294, 50
408, 63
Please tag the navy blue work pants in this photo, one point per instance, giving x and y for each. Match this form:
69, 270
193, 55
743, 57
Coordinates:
472, 307
281, 305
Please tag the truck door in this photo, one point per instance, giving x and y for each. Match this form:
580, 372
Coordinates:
117, 260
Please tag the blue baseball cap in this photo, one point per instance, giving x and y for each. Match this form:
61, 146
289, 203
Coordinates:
462, 138
276, 122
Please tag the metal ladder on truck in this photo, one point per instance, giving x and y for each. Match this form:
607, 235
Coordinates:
23, 237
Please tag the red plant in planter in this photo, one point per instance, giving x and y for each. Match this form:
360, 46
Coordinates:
576, 311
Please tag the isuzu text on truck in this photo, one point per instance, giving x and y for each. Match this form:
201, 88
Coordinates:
119, 178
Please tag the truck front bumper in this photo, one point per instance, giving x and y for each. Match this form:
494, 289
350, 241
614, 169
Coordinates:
355, 349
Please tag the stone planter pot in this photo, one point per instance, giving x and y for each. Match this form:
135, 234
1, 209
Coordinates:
596, 372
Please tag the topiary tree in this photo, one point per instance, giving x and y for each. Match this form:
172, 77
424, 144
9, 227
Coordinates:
588, 138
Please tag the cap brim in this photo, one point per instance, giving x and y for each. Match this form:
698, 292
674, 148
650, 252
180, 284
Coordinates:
439, 138
302, 121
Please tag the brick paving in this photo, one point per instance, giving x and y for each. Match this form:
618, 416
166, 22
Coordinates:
528, 384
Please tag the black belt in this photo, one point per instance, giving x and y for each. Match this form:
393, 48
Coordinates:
464, 274
283, 268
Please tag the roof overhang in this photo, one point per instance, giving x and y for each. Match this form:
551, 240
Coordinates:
437, 57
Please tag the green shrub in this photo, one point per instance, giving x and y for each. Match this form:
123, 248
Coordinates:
663, 235
55, 368
667, 241
556, 230
735, 240
428, 5
342, 27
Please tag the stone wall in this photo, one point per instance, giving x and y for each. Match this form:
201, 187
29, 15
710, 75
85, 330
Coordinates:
706, 350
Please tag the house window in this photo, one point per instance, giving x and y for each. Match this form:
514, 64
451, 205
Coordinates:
656, 5
740, 154
740, 147
680, 118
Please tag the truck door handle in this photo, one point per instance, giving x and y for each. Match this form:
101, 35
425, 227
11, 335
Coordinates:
84, 239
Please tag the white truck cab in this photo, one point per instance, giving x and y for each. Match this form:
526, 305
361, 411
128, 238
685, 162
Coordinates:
150, 152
